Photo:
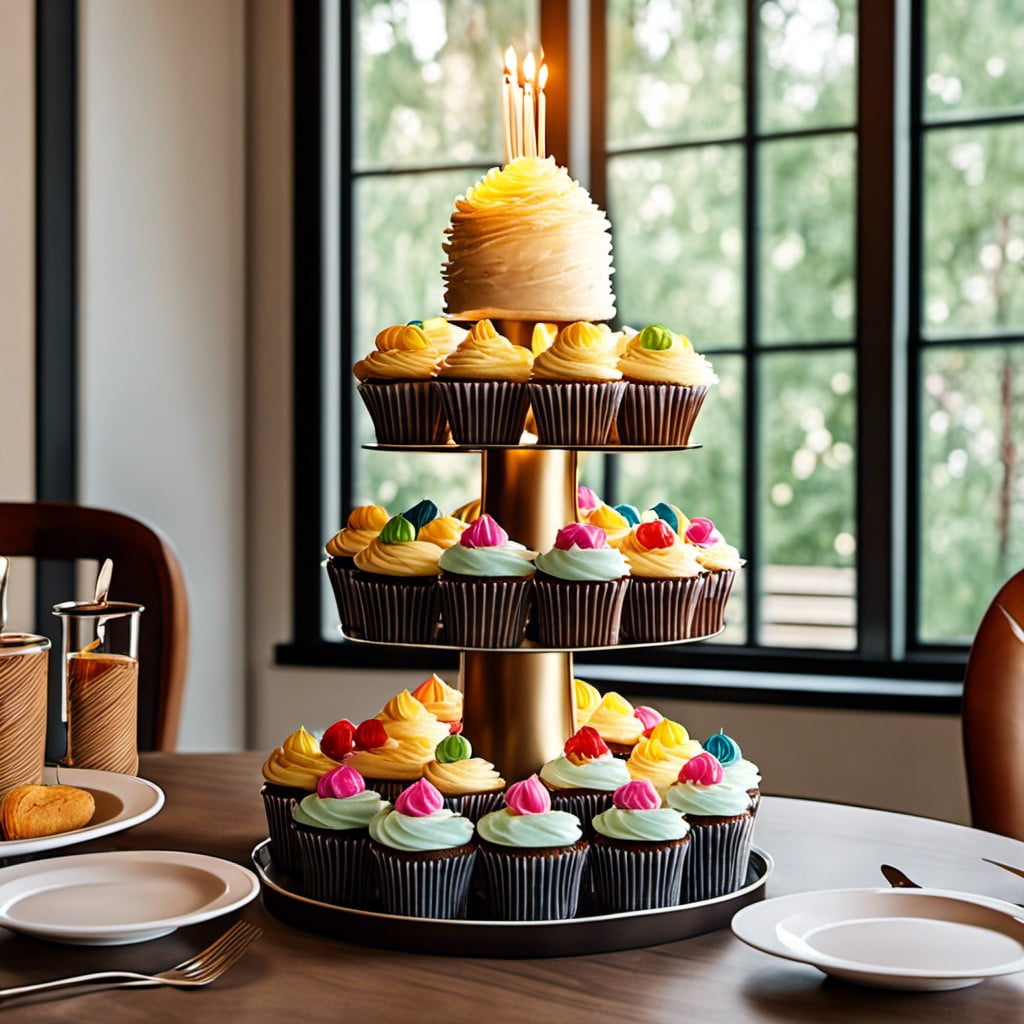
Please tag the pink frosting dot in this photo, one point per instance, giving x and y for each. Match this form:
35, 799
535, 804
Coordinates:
419, 800
528, 797
638, 795
586, 499
581, 535
648, 717
705, 769
702, 532
340, 782
483, 533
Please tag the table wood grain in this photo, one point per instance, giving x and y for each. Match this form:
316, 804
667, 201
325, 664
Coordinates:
289, 976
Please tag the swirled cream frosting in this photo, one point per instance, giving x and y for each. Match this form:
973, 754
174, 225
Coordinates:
528, 242
485, 354
298, 762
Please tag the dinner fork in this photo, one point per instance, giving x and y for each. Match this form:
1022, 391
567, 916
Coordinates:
201, 969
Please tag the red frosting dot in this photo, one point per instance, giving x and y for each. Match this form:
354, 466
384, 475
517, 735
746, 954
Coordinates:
655, 535
338, 740
370, 734
586, 744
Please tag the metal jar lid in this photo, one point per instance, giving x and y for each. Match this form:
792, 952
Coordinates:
90, 609
22, 643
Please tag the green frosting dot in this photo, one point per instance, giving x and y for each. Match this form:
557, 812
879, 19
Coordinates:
657, 337
453, 748
397, 531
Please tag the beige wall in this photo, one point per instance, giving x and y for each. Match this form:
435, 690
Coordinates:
17, 281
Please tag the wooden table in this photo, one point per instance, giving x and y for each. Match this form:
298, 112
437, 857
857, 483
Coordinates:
291, 977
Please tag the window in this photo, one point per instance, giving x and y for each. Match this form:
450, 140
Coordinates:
863, 312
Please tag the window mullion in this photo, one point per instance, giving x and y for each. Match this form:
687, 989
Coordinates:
881, 329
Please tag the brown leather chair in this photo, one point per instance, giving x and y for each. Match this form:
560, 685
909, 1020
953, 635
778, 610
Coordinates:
146, 571
993, 714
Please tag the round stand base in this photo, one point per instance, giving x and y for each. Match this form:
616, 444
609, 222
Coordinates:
590, 932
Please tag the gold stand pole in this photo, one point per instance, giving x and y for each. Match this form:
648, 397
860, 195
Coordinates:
519, 707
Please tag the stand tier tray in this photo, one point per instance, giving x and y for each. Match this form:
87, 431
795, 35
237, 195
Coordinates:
584, 934
527, 646
611, 449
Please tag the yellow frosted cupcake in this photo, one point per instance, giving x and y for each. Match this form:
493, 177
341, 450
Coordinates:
667, 382
387, 764
471, 786
363, 526
483, 387
395, 386
396, 586
667, 583
290, 772
576, 386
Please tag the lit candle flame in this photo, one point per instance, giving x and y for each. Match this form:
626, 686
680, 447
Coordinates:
511, 63
529, 68
542, 77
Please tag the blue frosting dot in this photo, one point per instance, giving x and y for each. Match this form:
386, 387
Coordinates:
725, 748
665, 511
421, 513
630, 513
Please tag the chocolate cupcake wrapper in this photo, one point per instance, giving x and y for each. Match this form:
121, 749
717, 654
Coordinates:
484, 613
405, 412
655, 610
435, 886
709, 614
398, 612
284, 850
340, 572
575, 414
658, 413
578, 614
541, 885
584, 805
637, 879
718, 858
484, 412
475, 805
337, 868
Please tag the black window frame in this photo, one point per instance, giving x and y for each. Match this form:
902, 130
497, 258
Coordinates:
887, 344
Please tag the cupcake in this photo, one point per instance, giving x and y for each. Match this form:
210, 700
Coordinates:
615, 720
441, 700
586, 698
405, 718
387, 765
485, 588
576, 387
291, 771
666, 384
483, 387
721, 825
583, 777
721, 561
331, 829
364, 524
736, 768
660, 756
666, 582
470, 785
396, 586
638, 850
532, 856
579, 588
396, 386
424, 854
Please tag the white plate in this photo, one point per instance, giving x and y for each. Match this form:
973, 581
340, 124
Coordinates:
121, 801
110, 899
927, 939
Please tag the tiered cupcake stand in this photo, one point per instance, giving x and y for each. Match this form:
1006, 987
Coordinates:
518, 710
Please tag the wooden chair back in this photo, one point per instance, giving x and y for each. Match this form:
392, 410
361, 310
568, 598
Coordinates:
146, 571
993, 714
